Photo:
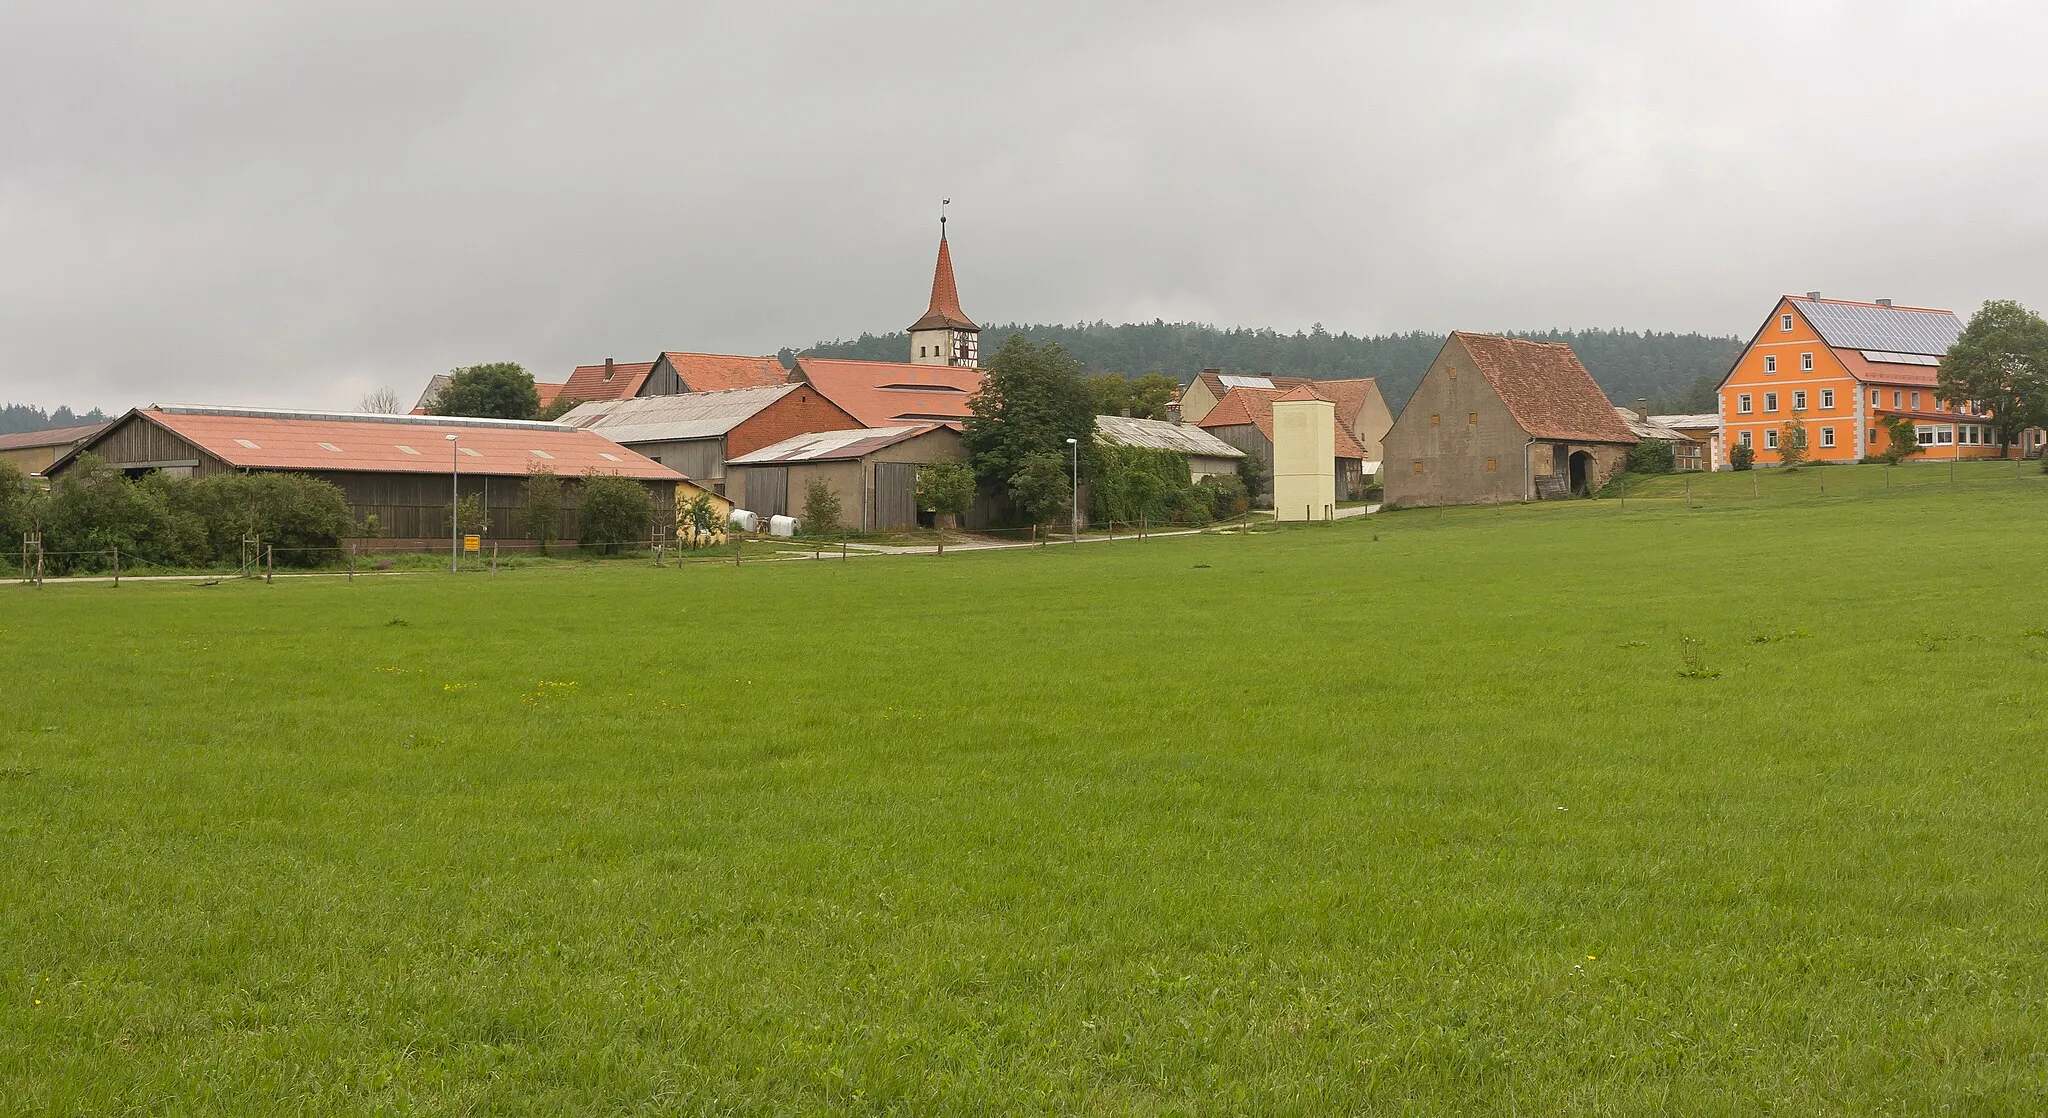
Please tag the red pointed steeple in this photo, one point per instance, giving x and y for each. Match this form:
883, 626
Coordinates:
944, 312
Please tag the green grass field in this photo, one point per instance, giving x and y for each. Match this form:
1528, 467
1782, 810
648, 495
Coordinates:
1410, 814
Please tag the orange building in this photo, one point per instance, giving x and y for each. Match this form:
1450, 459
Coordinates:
1842, 368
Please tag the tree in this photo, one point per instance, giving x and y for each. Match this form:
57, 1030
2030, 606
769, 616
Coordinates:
1902, 440
557, 408
1043, 488
1134, 483
1032, 401
17, 514
472, 517
1742, 457
616, 510
2001, 363
540, 506
821, 508
1144, 397
1252, 471
697, 521
946, 488
1651, 456
500, 390
1792, 441
382, 401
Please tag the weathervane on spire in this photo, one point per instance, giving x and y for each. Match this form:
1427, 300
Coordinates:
943, 203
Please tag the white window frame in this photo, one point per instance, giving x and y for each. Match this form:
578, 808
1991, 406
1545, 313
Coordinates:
1827, 436
1771, 439
1827, 399
1806, 362
1923, 434
1742, 404
1770, 363
1799, 400
1785, 322
1770, 403
1744, 439
1916, 401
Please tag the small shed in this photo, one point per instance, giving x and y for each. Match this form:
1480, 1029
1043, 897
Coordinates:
872, 470
1207, 455
1686, 454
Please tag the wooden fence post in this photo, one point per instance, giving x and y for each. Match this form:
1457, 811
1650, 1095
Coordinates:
117, 564
494, 561
269, 562
351, 562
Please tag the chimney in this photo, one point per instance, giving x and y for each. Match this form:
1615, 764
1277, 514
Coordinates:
610, 367
1173, 411
1884, 302
1813, 294
1643, 408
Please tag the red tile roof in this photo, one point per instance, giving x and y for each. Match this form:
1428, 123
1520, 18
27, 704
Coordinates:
1545, 388
722, 372
588, 382
278, 440
1254, 406
945, 309
548, 392
1349, 395
888, 393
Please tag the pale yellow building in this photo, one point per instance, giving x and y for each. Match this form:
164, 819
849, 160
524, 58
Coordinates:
1304, 457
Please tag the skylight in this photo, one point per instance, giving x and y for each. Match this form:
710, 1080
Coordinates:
250, 445
405, 448
543, 454
609, 456
473, 453
330, 447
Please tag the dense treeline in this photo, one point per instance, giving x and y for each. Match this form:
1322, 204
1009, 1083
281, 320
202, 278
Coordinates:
1676, 372
16, 418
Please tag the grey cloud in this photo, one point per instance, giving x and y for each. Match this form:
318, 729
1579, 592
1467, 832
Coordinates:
291, 204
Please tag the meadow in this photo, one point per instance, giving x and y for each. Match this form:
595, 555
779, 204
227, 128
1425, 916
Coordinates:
1576, 808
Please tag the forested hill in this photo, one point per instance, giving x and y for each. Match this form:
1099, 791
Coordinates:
15, 418
1676, 372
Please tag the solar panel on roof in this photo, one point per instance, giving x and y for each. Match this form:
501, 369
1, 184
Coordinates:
1882, 329
1247, 382
1882, 358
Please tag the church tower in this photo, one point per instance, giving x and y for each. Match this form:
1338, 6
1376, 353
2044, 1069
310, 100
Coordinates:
945, 335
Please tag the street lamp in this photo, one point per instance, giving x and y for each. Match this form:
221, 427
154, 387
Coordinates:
454, 503
1076, 444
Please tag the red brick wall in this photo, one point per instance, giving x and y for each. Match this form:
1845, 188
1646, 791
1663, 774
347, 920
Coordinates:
802, 412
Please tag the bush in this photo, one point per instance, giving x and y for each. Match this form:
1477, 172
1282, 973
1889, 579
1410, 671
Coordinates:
93, 509
1226, 496
821, 508
1043, 488
1651, 456
616, 511
302, 517
540, 510
472, 517
1742, 457
17, 499
1904, 440
1253, 472
945, 488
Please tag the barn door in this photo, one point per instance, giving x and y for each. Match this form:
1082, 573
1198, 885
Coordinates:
895, 495
768, 491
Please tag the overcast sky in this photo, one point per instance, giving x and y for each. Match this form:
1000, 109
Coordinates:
279, 204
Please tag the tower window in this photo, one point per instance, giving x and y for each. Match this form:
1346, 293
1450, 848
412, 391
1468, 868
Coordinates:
1471, 417
1435, 419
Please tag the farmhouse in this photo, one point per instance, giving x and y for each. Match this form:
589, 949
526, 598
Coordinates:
1503, 419
697, 432
1207, 455
873, 472
1842, 369
398, 468
1361, 409
31, 452
1244, 419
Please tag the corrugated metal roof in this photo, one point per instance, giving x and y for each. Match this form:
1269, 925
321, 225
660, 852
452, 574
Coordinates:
1646, 427
1687, 422
1157, 434
254, 438
658, 419
49, 436
830, 446
1872, 326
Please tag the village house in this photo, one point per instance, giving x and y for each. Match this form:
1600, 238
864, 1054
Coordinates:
1704, 429
1841, 369
400, 469
1361, 408
1503, 419
1687, 454
873, 472
697, 432
1244, 419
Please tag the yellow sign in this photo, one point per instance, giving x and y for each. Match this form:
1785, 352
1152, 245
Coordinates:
472, 543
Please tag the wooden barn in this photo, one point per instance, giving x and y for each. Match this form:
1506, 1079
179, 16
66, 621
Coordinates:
402, 469
873, 471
